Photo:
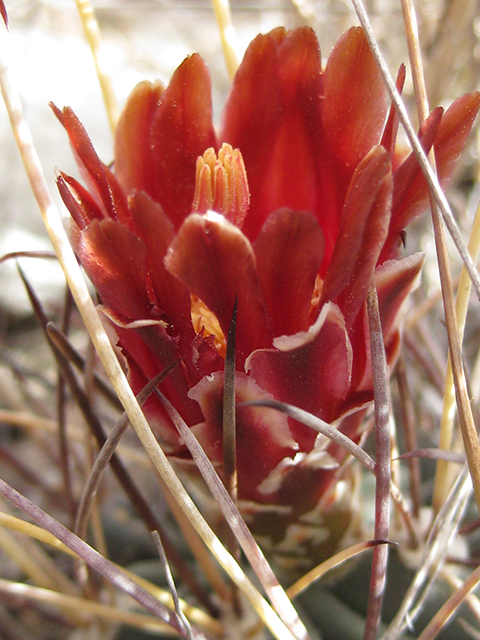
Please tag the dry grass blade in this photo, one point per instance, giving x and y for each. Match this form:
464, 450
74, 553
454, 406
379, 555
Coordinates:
442, 532
199, 617
92, 33
332, 563
104, 456
446, 425
228, 35
71, 605
95, 560
449, 608
171, 585
408, 420
65, 348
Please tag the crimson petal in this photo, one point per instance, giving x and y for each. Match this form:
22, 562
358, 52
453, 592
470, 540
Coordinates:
172, 297
133, 146
111, 194
291, 179
364, 227
355, 104
181, 131
115, 261
411, 196
394, 280
216, 262
261, 432
289, 251
310, 370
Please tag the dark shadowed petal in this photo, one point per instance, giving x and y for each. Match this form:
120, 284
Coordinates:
289, 251
181, 131
148, 352
310, 370
156, 231
78, 201
263, 436
115, 261
364, 227
355, 105
216, 263
110, 192
133, 144
172, 297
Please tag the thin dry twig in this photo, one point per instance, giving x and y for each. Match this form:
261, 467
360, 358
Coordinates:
382, 466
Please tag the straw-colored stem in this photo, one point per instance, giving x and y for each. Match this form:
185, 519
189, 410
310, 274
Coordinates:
88, 610
443, 473
228, 35
197, 616
92, 32
448, 609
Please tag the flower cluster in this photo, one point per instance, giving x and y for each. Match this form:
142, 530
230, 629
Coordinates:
291, 209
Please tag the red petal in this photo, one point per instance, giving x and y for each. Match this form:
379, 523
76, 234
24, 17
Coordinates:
364, 227
216, 262
410, 193
172, 297
310, 370
78, 201
149, 351
133, 145
355, 105
3, 13
389, 136
453, 132
181, 131
289, 251
394, 280
273, 116
291, 180
411, 196
115, 261
263, 437
110, 192
252, 117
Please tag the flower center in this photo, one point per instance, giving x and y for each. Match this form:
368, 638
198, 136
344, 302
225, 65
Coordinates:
221, 184
203, 318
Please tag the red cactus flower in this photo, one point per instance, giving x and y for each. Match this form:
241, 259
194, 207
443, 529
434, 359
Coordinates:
292, 208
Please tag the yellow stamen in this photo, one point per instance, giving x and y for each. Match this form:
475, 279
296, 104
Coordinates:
221, 184
204, 319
